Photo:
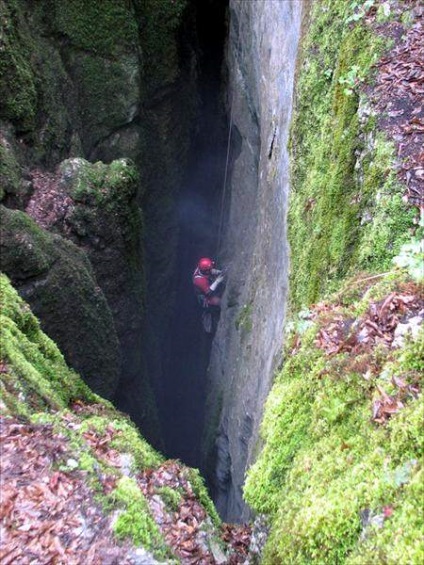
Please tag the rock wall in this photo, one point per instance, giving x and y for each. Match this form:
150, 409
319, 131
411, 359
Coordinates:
58, 281
338, 429
261, 59
102, 81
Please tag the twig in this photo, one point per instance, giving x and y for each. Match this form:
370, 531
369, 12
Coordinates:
374, 277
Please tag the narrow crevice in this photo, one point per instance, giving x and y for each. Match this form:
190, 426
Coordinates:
183, 392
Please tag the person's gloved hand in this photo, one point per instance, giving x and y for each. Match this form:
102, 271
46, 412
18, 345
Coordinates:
216, 282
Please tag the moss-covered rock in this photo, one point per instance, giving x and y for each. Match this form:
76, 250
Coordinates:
339, 484
34, 375
339, 475
89, 457
18, 90
36, 384
56, 278
105, 220
56, 97
346, 211
10, 170
37, 91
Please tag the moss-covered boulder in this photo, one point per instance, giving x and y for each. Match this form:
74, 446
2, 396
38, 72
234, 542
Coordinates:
36, 92
346, 210
106, 221
11, 185
34, 373
57, 280
72, 75
60, 417
103, 60
94, 205
80, 79
18, 90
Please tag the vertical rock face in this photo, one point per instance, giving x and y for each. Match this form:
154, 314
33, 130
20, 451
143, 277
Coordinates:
261, 59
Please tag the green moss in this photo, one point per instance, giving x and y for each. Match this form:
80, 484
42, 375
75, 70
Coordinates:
158, 25
400, 540
202, 495
105, 29
389, 222
171, 497
37, 373
65, 295
326, 465
10, 171
285, 428
106, 194
110, 185
108, 89
244, 319
18, 85
37, 384
135, 520
339, 221
127, 439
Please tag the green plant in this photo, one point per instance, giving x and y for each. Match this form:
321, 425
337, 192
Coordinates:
384, 12
301, 323
172, 498
351, 79
244, 319
202, 495
411, 258
359, 10
135, 520
325, 463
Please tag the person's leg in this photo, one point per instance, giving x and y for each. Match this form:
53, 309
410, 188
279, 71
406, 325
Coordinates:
214, 301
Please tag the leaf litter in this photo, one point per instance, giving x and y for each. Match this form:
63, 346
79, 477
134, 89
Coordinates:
377, 328
48, 512
48, 515
397, 96
185, 528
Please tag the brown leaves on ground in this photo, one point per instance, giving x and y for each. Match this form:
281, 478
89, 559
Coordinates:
49, 202
47, 515
387, 404
185, 528
376, 327
238, 536
398, 99
358, 338
100, 444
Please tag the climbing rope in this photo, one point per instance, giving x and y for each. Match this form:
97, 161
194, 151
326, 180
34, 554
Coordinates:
227, 160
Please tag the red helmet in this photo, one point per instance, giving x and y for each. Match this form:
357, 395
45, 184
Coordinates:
205, 264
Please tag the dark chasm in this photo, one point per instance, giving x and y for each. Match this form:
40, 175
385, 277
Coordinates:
199, 213
183, 396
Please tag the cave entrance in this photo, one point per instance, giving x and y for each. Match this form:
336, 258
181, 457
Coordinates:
184, 390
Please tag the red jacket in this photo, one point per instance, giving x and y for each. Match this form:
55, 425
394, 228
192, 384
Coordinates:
202, 285
202, 282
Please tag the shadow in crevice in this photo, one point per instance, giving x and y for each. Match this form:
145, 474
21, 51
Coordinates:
183, 392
